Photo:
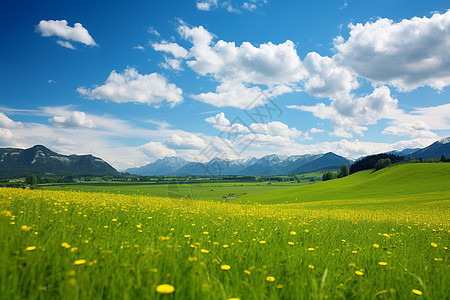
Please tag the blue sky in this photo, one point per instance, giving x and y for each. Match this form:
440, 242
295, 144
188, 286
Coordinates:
132, 82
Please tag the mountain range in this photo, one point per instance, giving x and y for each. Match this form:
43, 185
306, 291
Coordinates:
41, 161
272, 164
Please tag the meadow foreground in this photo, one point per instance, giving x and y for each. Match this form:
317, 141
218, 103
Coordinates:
74, 245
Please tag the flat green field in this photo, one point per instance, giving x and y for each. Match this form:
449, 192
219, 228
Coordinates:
193, 190
381, 235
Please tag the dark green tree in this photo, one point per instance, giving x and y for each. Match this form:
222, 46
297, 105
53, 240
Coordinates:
31, 179
443, 158
344, 171
328, 176
382, 163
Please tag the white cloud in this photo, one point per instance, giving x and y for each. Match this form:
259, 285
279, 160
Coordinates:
249, 6
407, 54
60, 29
156, 150
130, 86
5, 136
190, 141
267, 64
172, 48
6, 122
171, 64
74, 120
139, 47
65, 44
219, 120
206, 4
234, 94
327, 79
415, 130
153, 31
352, 114
241, 70
275, 128
316, 130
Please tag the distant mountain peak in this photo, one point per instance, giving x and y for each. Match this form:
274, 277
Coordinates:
42, 161
444, 140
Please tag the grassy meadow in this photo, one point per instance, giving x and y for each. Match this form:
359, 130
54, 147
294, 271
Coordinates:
382, 235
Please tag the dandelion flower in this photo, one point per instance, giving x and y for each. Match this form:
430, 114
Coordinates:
80, 262
359, 273
204, 251
383, 263
65, 245
417, 292
376, 246
30, 248
291, 243
262, 242
225, 246
292, 233
26, 228
187, 235
165, 289
354, 252
270, 278
310, 249
434, 245
225, 267
247, 272
311, 267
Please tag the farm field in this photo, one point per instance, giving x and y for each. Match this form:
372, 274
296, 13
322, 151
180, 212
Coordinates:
79, 245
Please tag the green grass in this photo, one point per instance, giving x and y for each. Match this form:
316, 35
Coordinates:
400, 183
133, 243
198, 191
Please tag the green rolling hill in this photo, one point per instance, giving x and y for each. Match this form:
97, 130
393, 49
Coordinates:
404, 183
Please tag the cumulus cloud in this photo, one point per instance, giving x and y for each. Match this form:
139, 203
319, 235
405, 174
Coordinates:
74, 120
275, 128
6, 122
267, 64
191, 141
172, 48
325, 78
61, 29
407, 54
352, 114
415, 130
156, 150
220, 122
130, 86
5, 136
